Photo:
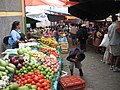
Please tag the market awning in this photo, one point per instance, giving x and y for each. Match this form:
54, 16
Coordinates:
31, 20
95, 10
54, 18
72, 21
59, 3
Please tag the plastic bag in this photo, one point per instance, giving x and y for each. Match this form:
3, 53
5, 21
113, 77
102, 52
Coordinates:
105, 41
118, 26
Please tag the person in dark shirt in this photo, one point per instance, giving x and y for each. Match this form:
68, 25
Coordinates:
75, 58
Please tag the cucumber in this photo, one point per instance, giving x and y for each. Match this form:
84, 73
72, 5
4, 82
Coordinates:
10, 69
2, 68
3, 63
12, 65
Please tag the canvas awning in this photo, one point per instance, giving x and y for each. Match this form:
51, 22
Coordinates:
95, 9
54, 18
31, 20
59, 3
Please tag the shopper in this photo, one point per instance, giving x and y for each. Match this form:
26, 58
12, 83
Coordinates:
82, 36
17, 35
75, 57
73, 31
114, 39
97, 39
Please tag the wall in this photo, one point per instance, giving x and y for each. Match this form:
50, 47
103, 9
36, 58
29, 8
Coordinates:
10, 10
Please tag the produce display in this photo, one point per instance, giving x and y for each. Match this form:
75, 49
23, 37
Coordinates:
15, 86
52, 63
31, 69
17, 61
35, 78
6, 70
49, 41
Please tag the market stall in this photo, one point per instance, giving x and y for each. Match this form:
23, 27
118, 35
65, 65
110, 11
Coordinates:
33, 66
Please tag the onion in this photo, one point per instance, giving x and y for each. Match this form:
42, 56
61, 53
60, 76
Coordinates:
23, 63
19, 66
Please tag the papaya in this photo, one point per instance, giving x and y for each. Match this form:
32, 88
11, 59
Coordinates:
10, 69
2, 68
3, 63
12, 65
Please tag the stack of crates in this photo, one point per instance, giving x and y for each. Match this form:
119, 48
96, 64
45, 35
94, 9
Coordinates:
72, 83
64, 46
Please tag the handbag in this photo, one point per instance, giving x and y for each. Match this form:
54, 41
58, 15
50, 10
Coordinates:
105, 41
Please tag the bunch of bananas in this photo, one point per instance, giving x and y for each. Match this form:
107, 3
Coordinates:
49, 41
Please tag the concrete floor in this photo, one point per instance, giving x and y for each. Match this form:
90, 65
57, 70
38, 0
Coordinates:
97, 75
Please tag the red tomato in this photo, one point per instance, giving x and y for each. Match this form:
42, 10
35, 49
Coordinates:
17, 78
32, 76
36, 79
41, 89
20, 76
25, 82
41, 81
29, 80
44, 84
25, 75
48, 81
42, 76
33, 83
14, 80
38, 84
38, 88
23, 79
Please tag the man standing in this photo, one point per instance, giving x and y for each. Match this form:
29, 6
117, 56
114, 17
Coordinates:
114, 37
82, 36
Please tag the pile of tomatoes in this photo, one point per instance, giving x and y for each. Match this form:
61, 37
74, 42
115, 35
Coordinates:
34, 78
50, 51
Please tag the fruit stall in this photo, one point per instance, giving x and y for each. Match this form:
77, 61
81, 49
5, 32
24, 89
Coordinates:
31, 67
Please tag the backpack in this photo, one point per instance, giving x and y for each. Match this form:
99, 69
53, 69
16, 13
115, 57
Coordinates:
8, 40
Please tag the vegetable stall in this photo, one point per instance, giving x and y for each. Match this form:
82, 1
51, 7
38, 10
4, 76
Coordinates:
31, 67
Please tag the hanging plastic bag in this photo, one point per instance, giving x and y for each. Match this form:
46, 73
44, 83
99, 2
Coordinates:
105, 41
118, 26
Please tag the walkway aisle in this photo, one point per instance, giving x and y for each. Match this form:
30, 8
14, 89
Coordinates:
96, 74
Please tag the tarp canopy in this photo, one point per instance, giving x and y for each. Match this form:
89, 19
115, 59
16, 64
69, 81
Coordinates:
54, 18
59, 3
30, 20
94, 9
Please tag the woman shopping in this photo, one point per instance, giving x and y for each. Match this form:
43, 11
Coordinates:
17, 35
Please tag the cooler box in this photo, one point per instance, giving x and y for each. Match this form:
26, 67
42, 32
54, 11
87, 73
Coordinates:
72, 83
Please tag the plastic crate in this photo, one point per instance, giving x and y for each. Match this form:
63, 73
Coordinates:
72, 83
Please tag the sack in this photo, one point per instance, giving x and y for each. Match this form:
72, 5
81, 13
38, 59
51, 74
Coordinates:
8, 40
118, 26
105, 41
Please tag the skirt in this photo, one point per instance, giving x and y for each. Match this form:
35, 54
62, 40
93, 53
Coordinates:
115, 50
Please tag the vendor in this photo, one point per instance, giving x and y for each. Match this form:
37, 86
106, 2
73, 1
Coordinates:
17, 35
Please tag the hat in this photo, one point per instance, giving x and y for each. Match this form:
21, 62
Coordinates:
83, 25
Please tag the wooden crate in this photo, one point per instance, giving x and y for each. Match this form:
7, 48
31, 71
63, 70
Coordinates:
65, 51
64, 45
